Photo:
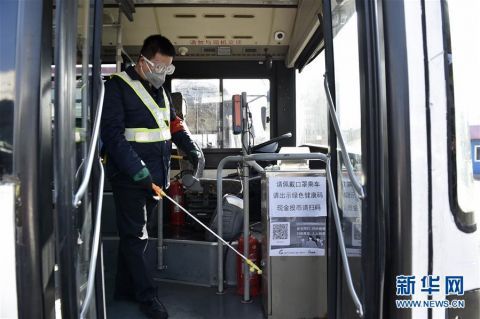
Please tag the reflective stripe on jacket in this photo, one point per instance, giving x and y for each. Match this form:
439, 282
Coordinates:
161, 115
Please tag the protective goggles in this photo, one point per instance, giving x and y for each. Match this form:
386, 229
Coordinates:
161, 67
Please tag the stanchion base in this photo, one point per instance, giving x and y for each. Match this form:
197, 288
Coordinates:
220, 293
247, 301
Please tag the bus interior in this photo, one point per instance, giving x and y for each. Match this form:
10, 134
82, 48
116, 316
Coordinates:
222, 50
337, 93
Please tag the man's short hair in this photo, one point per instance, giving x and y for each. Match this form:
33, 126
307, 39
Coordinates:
157, 44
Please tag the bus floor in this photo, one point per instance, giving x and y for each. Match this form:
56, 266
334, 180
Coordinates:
181, 300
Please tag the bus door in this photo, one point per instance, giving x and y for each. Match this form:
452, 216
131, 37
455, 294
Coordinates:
26, 225
77, 93
454, 153
351, 75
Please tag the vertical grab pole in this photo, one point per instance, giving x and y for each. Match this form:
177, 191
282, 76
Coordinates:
246, 197
118, 58
220, 224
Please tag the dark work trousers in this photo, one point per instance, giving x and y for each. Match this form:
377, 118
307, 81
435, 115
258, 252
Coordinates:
134, 206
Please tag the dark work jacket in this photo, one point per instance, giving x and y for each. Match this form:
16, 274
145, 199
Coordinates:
123, 108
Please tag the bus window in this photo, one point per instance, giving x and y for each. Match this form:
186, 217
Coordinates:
311, 103
347, 88
463, 68
347, 81
8, 29
203, 101
209, 110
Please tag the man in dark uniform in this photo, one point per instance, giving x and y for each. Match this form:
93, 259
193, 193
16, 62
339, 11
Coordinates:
138, 127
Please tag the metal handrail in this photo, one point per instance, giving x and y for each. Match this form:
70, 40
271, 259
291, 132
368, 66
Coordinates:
77, 199
341, 242
346, 160
95, 244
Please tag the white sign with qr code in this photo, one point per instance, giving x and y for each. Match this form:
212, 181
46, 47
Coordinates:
280, 234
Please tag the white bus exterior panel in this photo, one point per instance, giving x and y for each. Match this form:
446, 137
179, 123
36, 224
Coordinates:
418, 148
454, 252
8, 278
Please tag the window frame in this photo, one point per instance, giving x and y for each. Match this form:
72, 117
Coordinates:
221, 80
465, 221
279, 76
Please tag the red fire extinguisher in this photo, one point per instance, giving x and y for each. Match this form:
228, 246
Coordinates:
175, 191
253, 255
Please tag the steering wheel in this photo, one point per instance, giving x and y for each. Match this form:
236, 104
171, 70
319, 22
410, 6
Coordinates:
270, 146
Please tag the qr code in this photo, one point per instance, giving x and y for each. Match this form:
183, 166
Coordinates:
280, 234
280, 231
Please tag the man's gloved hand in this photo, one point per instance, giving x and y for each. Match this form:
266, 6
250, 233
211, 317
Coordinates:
143, 178
193, 157
158, 190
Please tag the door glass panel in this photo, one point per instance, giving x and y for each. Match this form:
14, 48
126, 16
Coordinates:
83, 95
8, 31
311, 102
464, 67
347, 90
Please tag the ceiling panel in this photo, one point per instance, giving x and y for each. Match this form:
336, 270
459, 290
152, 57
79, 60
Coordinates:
206, 26
213, 2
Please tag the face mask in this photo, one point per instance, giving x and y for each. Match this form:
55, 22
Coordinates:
155, 79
